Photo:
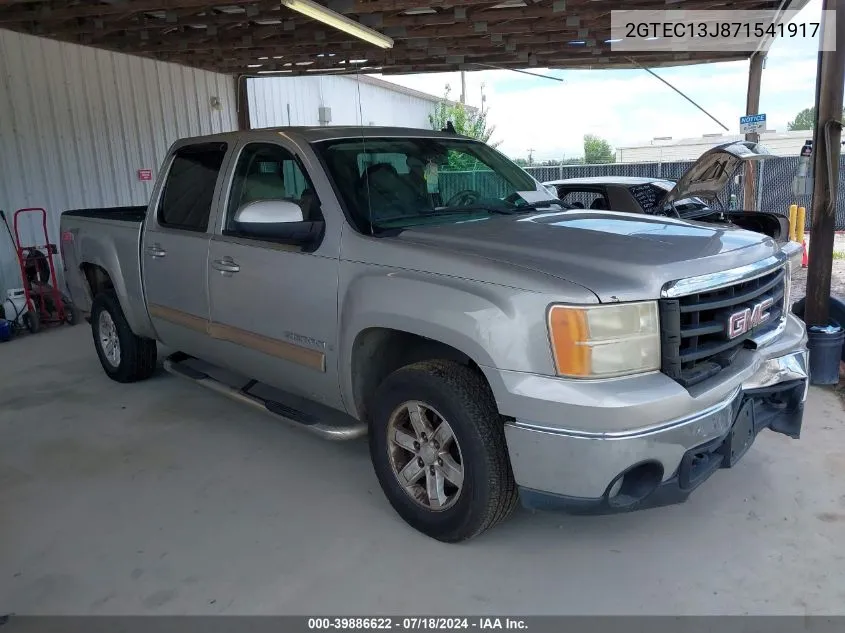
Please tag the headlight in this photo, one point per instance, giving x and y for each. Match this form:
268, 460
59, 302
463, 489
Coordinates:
605, 340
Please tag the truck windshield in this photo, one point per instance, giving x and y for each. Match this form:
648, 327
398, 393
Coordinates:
395, 183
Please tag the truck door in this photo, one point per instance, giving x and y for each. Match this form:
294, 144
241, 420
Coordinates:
174, 249
274, 305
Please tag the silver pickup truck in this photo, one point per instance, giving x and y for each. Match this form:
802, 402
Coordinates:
495, 344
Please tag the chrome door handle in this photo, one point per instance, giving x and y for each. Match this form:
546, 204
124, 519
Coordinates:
225, 265
156, 251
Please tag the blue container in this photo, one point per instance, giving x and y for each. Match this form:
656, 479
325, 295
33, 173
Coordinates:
5, 331
825, 345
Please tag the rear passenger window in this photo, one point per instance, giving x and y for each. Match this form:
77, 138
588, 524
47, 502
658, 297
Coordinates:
189, 188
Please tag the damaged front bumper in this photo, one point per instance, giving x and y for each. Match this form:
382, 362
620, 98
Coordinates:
662, 464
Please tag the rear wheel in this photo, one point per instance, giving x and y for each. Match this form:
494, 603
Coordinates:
438, 448
124, 356
32, 321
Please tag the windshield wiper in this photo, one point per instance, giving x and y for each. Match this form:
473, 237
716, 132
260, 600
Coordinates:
531, 206
543, 204
467, 208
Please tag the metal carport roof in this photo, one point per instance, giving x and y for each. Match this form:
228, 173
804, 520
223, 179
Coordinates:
254, 36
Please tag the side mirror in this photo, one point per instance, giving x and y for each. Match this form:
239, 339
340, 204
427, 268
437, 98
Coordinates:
275, 221
269, 212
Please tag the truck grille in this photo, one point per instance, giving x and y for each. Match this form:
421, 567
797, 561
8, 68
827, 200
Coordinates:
695, 341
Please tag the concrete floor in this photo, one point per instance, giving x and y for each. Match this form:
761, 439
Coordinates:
161, 497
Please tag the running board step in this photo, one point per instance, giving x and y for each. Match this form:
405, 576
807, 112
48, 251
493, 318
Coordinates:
311, 416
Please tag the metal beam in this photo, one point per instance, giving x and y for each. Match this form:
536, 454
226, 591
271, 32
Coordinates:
826, 153
752, 106
242, 101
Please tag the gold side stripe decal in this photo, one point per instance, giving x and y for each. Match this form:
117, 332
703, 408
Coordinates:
198, 324
264, 344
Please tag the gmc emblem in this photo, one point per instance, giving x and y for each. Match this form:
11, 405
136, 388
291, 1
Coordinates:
745, 320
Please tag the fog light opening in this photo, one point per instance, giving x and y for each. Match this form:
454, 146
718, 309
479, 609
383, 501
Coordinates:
634, 485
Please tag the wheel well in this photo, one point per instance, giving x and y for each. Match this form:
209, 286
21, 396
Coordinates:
377, 352
97, 277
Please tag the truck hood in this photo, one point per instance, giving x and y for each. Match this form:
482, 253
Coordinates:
710, 174
618, 256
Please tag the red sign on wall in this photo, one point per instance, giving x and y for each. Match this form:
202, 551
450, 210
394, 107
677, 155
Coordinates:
145, 174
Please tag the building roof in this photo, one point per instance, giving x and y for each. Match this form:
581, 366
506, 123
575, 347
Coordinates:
260, 36
389, 85
717, 139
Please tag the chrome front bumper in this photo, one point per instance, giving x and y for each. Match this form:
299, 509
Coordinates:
578, 468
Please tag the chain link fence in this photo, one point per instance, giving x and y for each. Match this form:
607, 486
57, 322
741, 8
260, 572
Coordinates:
774, 181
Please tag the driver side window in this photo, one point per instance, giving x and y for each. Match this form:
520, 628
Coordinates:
266, 171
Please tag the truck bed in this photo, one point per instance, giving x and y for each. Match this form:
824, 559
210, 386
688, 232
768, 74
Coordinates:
121, 214
106, 242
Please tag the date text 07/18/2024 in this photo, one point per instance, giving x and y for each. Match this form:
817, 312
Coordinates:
415, 623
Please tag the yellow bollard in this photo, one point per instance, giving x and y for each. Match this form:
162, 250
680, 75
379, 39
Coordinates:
799, 224
793, 212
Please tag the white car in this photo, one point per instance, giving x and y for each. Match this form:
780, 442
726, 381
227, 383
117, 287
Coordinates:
695, 196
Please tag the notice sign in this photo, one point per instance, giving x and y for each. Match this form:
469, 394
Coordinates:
752, 124
145, 174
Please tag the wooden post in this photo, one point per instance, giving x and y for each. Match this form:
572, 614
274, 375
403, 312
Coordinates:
242, 100
829, 97
752, 106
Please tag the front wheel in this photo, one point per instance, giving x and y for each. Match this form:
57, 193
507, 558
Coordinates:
124, 356
438, 448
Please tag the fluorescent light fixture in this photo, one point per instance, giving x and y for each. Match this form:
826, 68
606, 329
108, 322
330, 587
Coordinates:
340, 22
273, 72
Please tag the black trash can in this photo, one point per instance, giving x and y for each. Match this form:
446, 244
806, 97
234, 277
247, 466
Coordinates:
825, 345
837, 312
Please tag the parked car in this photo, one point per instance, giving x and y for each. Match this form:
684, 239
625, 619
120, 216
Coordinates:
421, 288
695, 196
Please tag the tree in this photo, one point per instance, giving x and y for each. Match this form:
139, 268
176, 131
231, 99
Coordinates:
469, 122
805, 120
597, 150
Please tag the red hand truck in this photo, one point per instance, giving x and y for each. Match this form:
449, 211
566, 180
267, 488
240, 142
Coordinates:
38, 271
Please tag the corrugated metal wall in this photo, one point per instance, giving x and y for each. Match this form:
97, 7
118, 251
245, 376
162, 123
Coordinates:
269, 98
76, 125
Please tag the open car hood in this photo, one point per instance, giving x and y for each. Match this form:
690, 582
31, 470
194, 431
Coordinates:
710, 174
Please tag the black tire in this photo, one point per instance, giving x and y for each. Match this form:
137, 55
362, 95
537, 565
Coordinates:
461, 395
32, 321
137, 354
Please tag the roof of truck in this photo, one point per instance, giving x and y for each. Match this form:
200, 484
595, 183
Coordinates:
324, 133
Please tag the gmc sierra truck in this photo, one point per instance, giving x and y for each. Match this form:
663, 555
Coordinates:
495, 344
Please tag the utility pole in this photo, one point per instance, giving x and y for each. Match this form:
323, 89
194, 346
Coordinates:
829, 97
463, 86
531, 156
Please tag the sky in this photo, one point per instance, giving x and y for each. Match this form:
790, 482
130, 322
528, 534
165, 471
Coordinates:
630, 107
